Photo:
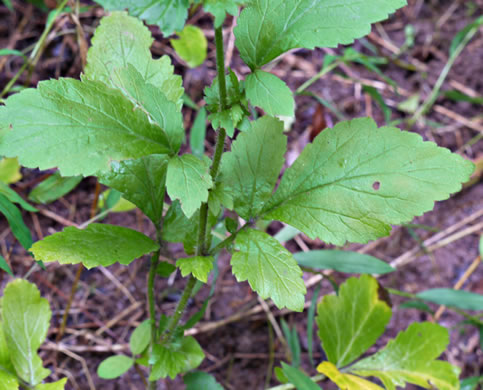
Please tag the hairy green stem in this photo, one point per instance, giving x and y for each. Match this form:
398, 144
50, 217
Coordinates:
220, 66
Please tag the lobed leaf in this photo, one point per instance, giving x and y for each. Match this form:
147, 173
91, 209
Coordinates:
26, 319
269, 268
188, 179
219, 9
199, 266
352, 321
410, 358
271, 94
142, 182
268, 28
176, 358
250, 171
169, 16
339, 191
122, 40
97, 245
80, 127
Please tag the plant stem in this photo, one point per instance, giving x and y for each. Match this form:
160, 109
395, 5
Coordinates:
220, 66
152, 308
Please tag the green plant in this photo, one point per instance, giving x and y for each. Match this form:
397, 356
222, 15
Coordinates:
122, 122
24, 321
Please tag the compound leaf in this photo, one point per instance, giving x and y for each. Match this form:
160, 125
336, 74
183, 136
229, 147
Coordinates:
352, 321
121, 40
268, 28
410, 358
15, 221
53, 188
142, 182
337, 190
176, 358
201, 380
269, 268
268, 92
97, 245
169, 16
188, 179
26, 319
345, 381
199, 266
77, 126
250, 171
343, 261
59, 385
114, 366
191, 46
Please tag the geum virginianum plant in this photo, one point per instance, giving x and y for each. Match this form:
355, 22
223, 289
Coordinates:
122, 123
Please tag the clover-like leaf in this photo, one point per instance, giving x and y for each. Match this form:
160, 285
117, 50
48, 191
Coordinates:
411, 358
188, 179
176, 358
121, 40
269, 268
251, 169
142, 182
26, 319
268, 92
268, 28
170, 15
97, 245
80, 127
339, 191
199, 266
352, 321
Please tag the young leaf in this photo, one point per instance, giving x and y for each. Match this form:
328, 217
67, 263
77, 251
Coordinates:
114, 366
169, 16
345, 381
410, 358
251, 169
53, 188
352, 321
201, 380
199, 266
338, 191
140, 338
112, 200
268, 28
4, 265
343, 261
269, 268
121, 40
97, 245
300, 380
461, 299
9, 170
176, 358
191, 46
13, 197
271, 94
59, 385
26, 319
142, 182
77, 126
15, 221
188, 179
153, 102
219, 9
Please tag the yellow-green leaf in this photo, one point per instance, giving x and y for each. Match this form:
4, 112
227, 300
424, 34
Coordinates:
199, 266
345, 381
191, 46
9, 170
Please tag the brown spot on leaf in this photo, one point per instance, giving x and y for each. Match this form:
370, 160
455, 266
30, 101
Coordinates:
376, 185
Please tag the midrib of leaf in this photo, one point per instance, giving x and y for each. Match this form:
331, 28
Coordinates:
356, 334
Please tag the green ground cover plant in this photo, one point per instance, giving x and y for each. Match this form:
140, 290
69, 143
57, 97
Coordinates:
122, 122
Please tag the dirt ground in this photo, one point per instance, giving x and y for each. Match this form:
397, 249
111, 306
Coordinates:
238, 339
